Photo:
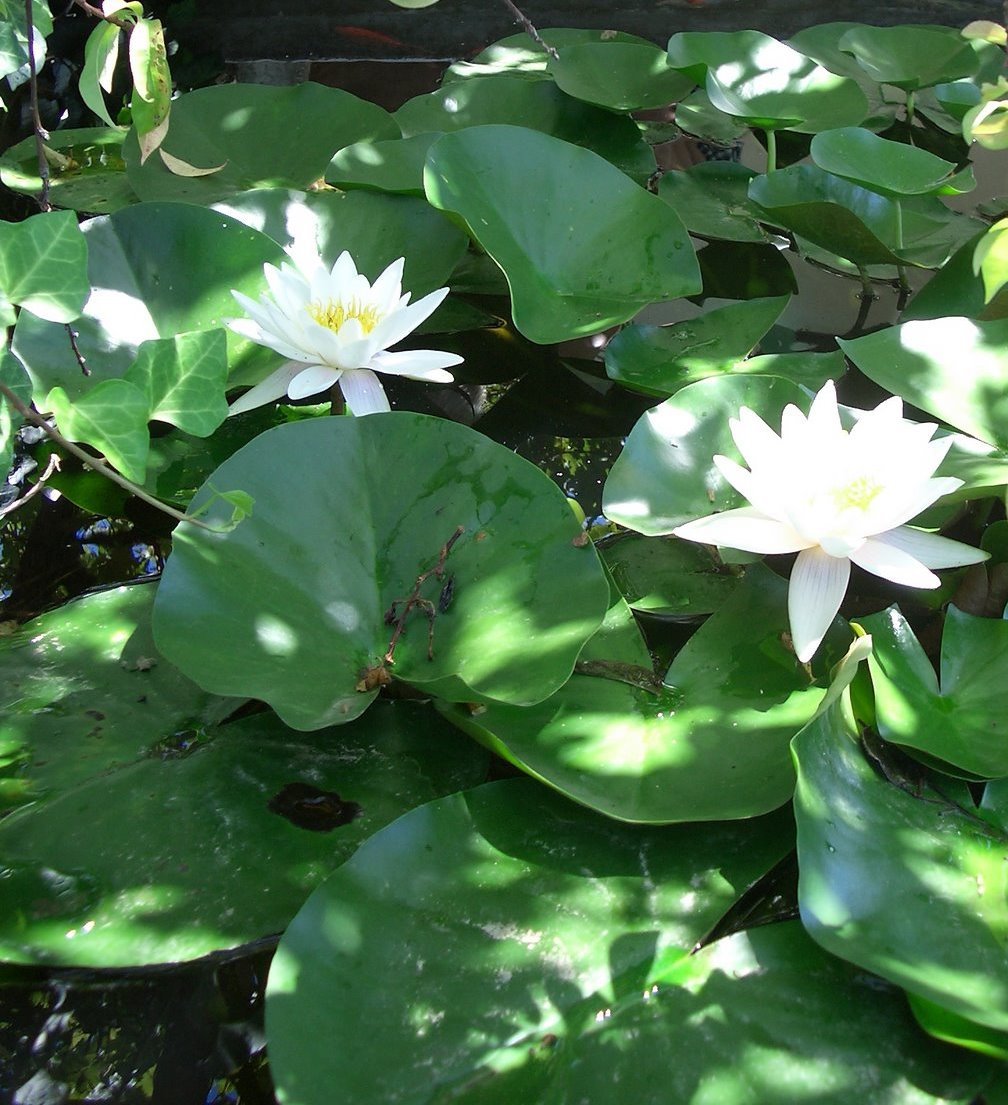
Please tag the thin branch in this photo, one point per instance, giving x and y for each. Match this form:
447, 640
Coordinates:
51, 467
81, 360
530, 30
96, 463
97, 13
41, 134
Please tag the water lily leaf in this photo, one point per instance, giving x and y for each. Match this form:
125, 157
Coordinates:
892, 168
43, 266
665, 475
86, 169
709, 744
291, 604
956, 290
694, 52
183, 380
903, 880
776, 87
375, 229
945, 1025
537, 105
155, 270
964, 721
628, 249
151, 882
85, 691
910, 57
954, 368
540, 956
545, 914
667, 577
623, 76
712, 199
521, 55
662, 359
247, 129
744, 270
112, 416
390, 165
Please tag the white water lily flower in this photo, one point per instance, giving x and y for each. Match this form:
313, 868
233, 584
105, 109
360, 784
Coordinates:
334, 325
835, 496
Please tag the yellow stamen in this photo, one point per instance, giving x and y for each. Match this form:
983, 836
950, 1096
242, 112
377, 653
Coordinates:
859, 494
333, 314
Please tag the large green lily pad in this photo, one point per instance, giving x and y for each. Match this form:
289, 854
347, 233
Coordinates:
578, 259
709, 743
623, 76
211, 842
906, 879
954, 368
965, 721
536, 104
290, 606
540, 955
156, 271
83, 691
910, 57
666, 475
253, 136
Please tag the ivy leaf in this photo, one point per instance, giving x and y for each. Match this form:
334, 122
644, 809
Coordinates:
184, 379
43, 265
112, 417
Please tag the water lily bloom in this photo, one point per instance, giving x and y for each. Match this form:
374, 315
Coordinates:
334, 326
835, 496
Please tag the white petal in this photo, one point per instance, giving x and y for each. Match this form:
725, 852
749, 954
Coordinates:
743, 528
418, 364
342, 274
764, 492
387, 289
824, 415
892, 563
396, 326
251, 330
931, 549
818, 585
273, 387
312, 380
363, 392
754, 439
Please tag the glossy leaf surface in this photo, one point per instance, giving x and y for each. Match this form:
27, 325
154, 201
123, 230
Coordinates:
508, 916
964, 721
910, 57
228, 832
43, 265
291, 604
624, 76
540, 956
954, 368
578, 260
246, 130
12, 374
712, 199
709, 744
892, 168
903, 879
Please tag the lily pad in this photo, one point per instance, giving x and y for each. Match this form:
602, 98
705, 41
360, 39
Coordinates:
666, 475
540, 955
212, 841
578, 259
666, 577
662, 359
84, 692
388, 165
954, 368
537, 105
243, 133
903, 880
290, 606
623, 76
709, 743
156, 271
963, 722
910, 57
712, 199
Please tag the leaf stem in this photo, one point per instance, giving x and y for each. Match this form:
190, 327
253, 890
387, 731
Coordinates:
771, 150
96, 463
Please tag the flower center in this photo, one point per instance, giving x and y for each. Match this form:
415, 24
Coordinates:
334, 314
858, 494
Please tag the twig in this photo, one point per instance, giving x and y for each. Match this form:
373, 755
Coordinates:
81, 360
530, 30
41, 134
96, 463
414, 600
97, 13
34, 490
